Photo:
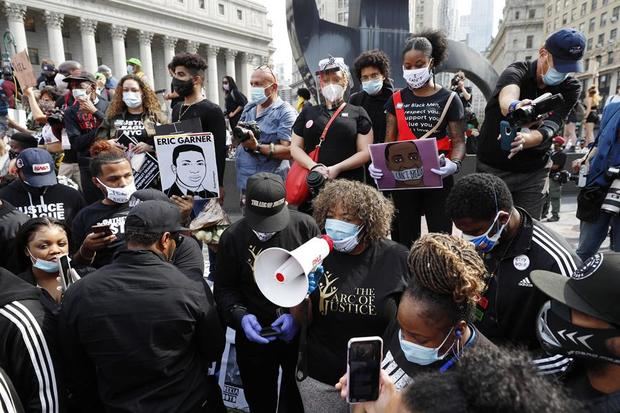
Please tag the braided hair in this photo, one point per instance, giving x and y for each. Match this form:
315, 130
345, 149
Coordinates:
448, 273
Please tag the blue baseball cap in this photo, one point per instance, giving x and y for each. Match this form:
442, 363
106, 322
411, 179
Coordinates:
567, 47
37, 167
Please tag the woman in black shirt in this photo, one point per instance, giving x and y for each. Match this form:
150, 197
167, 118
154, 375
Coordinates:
345, 148
411, 113
359, 292
234, 100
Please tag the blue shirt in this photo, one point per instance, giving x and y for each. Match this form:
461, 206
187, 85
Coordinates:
608, 146
275, 123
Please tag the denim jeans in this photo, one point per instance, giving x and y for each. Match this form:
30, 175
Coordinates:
592, 235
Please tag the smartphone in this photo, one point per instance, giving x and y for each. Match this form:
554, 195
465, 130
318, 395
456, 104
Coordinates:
508, 134
364, 355
105, 229
65, 272
269, 332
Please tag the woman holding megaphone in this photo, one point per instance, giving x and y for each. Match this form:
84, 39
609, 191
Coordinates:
363, 279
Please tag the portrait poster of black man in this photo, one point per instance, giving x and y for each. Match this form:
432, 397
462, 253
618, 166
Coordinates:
187, 165
406, 164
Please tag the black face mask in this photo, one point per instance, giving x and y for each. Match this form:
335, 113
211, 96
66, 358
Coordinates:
12, 154
558, 335
183, 88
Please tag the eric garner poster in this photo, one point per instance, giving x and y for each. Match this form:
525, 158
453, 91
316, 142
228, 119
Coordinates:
187, 165
406, 164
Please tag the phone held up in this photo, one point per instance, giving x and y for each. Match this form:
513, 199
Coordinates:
65, 272
364, 355
105, 229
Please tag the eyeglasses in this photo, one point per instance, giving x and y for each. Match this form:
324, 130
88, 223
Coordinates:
265, 68
373, 76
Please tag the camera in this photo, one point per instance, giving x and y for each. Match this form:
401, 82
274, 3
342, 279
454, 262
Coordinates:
561, 177
534, 112
454, 83
611, 203
56, 117
243, 129
315, 181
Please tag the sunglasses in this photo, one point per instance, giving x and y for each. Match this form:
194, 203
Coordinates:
265, 68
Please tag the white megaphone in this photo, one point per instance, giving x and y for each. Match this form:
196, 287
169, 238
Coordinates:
282, 276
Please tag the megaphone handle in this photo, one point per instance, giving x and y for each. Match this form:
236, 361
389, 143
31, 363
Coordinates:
301, 371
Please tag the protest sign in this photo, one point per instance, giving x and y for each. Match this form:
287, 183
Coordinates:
230, 377
144, 165
187, 165
22, 69
406, 164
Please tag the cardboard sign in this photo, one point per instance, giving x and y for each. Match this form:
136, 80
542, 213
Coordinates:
187, 165
22, 69
406, 164
144, 165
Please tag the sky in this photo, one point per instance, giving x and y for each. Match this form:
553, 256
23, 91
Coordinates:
276, 10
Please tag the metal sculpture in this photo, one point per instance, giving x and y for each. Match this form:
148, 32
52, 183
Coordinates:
372, 25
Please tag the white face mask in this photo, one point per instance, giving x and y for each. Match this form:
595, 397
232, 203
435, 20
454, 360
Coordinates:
332, 92
119, 195
78, 93
416, 78
132, 99
264, 236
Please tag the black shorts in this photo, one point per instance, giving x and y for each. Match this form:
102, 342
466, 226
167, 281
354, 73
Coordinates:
572, 118
592, 117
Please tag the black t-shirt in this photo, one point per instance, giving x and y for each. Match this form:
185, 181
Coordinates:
234, 273
212, 120
10, 221
341, 140
403, 372
233, 100
358, 296
466, 103
523, 74
100, 214
133, 126
57, 201
375, 107
423, 112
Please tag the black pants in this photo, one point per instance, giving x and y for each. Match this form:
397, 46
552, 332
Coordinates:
259, 366
412, 204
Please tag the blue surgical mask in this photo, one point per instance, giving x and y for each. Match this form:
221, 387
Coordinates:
423, 356
344, 234
257, 94
50, 267
484, 243
372, 87
553, 77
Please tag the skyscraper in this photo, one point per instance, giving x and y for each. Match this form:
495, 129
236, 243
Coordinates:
480, 24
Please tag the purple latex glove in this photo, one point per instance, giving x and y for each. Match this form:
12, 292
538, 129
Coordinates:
287, 326
251, 328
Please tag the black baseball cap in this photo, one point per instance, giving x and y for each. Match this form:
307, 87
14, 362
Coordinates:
594, 289
148, 194
567, 47
265, 203
82, 77
154, 217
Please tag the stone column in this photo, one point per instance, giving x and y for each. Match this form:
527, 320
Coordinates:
244, 82
54, 23
230, 63
169, 45
118, 34
15, 14
213, 81
146, 38
89, 47
192, 46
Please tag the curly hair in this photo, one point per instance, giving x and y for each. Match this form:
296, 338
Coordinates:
103, 153
192, 61
478, 196
25, 235
150, 104
375, 58
490, 379
360, 200
433, 43
448, 272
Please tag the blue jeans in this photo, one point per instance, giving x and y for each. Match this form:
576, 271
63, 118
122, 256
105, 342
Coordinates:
592, 235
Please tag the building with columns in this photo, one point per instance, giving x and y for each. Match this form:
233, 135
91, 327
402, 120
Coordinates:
234, 36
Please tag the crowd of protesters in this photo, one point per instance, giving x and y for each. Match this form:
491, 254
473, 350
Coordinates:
507, 316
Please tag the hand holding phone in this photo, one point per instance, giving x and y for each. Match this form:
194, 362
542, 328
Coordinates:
364, 357
507, 135
65, 272
102, 229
